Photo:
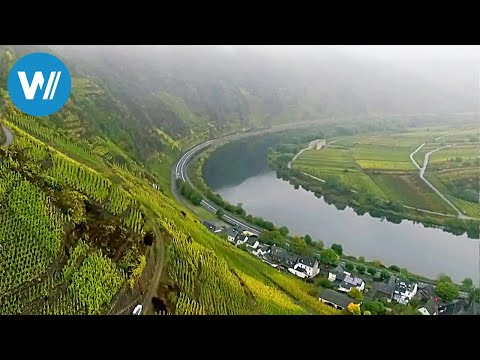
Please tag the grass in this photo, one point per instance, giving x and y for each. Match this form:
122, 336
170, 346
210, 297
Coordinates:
386, 165
411, 191
382, 153
450, 154
204, 214
469, 208
329, 159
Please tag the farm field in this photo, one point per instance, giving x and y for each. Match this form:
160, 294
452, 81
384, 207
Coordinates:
470, 208
410, 190
381, 166
333, 160
455, 171
471, 135
456, 154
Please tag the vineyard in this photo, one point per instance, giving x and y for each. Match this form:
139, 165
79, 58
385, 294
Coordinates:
30, 231
33, 223
270, 300
53, 187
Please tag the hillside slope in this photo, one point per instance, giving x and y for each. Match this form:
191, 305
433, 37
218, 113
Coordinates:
83, 231
72, 222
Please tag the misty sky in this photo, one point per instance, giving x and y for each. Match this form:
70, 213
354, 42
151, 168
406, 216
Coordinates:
415, 52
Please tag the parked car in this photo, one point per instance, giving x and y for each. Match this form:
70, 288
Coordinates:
138, 310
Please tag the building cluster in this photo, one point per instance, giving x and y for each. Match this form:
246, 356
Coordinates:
392, 289
277, 257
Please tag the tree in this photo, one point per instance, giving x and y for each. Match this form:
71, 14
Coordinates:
349, 266
372, 271
284, 231
308, 240
354, 309
376, 307
319, 244
337, 248
355, 294
467, 283
361, 269
367, 312
299, 246
448, 291
324, 282
220, 212
268, 225
361, 259
330, 257
385, 274
394, 268
444, 278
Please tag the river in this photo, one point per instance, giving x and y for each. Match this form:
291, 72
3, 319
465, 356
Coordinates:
426, 251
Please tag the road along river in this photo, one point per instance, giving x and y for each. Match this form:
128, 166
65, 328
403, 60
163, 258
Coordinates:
427, 251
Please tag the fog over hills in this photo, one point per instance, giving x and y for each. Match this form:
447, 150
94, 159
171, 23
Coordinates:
126, 92
315, 79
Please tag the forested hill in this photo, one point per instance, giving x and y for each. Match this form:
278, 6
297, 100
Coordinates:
173, 96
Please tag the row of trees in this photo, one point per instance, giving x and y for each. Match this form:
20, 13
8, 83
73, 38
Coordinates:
335, 193
189, 192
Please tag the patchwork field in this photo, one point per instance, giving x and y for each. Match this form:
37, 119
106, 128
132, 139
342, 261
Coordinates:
456, 154
410, 190
381, 165
455, 171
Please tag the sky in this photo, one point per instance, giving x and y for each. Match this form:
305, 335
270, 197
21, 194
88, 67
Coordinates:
414, 52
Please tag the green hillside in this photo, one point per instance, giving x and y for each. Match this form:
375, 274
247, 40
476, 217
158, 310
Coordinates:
78, 212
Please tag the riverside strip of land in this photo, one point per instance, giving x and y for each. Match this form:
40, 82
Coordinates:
381, 166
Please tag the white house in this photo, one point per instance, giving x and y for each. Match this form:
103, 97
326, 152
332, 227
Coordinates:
308, 264
232, 233
241, 239
252, 242
337, 272
261, 249
404, 291
350, 282
317, 144
431, 307
298, 271
336, 300
345, 280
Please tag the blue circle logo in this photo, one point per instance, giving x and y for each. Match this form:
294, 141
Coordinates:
39, 84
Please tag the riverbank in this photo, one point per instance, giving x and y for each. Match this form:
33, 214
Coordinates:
337, 193
196, 176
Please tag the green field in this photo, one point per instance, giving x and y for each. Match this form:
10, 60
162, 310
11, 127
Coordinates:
332, 160
452, 154
455, 171
386, 165
380, 165
411, 191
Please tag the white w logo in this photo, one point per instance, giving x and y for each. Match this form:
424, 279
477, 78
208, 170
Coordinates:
30, 90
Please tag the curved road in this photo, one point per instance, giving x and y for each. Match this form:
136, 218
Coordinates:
422, 169
9, 136
181, 168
